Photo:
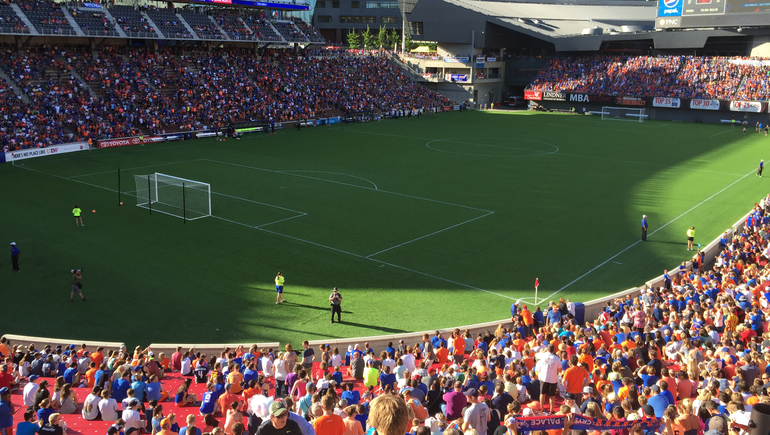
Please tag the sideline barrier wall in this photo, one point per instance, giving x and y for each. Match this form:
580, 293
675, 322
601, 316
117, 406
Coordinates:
41, 342
379, 342
208, 349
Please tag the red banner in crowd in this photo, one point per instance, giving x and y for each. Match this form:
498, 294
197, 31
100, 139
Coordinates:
109, 143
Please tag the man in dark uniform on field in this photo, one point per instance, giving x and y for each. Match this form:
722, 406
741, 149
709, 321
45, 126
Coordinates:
15, 256
644, 227
335, 299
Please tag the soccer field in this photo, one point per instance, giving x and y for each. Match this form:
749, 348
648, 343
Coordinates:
421, 223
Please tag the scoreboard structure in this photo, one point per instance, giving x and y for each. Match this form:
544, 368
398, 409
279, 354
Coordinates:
674, 14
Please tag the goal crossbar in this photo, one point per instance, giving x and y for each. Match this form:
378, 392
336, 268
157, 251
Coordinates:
174, 196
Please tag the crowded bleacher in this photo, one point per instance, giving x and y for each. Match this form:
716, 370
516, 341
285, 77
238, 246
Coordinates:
664, 76
79, 95
689, 357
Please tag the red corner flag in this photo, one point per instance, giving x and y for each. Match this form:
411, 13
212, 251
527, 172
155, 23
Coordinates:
536, 283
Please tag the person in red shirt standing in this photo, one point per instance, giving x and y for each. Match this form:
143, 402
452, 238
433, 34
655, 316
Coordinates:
176, 360
458, 346
526, 315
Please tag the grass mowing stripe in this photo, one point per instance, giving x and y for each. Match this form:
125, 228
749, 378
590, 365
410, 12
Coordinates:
652, 233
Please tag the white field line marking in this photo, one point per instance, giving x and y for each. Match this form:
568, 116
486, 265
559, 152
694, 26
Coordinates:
428, 235
557, 152
83, 156
617, 262
722, 132
302, 240
300, 213
528, 298
131, 169
638, 241
352, 254
281, 220
336, 173
257, 202
351, 185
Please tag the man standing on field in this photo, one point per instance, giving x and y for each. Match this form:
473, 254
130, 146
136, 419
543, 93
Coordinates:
15, 251
279, 288
77, 212
761, 166
77, 286
644, 227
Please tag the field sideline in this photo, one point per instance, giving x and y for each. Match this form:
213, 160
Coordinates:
421, 223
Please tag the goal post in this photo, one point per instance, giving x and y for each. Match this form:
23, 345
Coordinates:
634, 114
174, 196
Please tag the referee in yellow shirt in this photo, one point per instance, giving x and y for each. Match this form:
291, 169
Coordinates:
690, 238
279, 288
77, 212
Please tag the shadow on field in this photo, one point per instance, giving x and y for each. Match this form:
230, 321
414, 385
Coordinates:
313, 307
668, 242
375, 327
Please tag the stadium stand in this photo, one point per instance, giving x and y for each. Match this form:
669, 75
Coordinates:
122, 92
230, 21
262, 28
289, 32
93, 23
201, 24
133, 22
47, 17
309, 31
668, 76
694, 350
10, 22
168, 23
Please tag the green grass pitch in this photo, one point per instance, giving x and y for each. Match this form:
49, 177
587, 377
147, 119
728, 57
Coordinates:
421, 223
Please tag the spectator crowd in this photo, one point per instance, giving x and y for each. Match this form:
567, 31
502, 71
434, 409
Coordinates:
726, 78
689, 357
76, 95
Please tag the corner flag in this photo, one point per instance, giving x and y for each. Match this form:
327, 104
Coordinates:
537, 283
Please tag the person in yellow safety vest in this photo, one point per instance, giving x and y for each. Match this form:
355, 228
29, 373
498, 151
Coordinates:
690, 238
279, 288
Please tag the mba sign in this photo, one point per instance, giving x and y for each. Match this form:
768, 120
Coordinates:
670, 8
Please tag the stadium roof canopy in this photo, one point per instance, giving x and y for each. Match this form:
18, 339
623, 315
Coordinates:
580, 25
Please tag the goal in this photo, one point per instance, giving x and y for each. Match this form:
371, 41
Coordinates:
623, 114
174, 196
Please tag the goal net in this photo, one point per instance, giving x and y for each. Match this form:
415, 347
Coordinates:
179, 197
623, 114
